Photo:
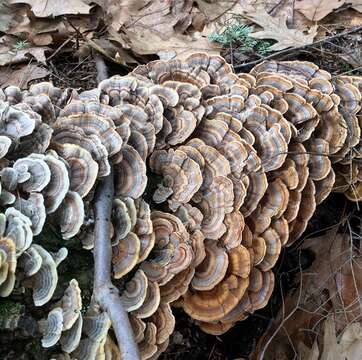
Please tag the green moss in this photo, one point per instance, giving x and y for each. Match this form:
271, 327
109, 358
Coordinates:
8, 307
38, 352
345, 67
20, 45
238, 36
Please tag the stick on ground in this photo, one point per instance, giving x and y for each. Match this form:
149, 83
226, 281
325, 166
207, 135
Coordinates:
104, 292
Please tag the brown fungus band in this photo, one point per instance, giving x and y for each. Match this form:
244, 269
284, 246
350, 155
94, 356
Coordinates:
214, 173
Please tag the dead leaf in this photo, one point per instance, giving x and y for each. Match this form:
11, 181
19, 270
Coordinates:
356, 5
333, 347
22, 76
349, 18
159, 17
351, 341
331, 286
213, 10
306, 353
112, 52
223, 20
147, 42
16, 57
7, 16
163, 27
46, 8
121, 11
354, 58
275, 28
11, 54
294, 19
316, 10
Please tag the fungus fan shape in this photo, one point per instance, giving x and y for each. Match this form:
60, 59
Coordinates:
214, 173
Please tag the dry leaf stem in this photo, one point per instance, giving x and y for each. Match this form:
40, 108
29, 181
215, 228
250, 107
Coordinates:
291, 50
104, 292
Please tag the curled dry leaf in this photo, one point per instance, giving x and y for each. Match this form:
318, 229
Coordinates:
328, 300
45, 8
316, 10
275, 28
14, 57
331, 346
163, 28
21, 77
7, 16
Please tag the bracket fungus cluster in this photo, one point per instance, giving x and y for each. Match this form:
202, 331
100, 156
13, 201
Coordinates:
214, 173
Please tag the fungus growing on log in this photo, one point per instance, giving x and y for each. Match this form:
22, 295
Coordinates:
214, 173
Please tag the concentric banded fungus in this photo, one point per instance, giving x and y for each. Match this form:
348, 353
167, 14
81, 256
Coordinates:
182, 177
38, 174
136, 291
74, 135
71, 304
45, 280
150, 303
71, 214
8, 266
213, 269
83, 170
164, 321
16, 123
236, 166
95, 329
130, 174
65, 321
125, 255
70, 338
53, 329
18, 228
34, 209
93, 124
212, 305
5, 143
147, 346
58, 185
122, 219
172, 252
177, 286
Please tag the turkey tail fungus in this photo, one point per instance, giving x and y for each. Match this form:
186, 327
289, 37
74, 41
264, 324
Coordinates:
185, 179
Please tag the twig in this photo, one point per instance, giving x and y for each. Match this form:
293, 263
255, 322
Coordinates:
104, 292
60, 47
231, 54
221, 14
102, 72
77, 66
348, 72
290, 50
275, 6
285, 319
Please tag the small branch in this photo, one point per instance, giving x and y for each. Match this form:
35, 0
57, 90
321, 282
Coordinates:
102, 244
297, 48
102, 72
60, 47
104, 292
